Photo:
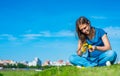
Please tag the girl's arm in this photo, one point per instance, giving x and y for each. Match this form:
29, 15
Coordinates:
79, 48
106, 42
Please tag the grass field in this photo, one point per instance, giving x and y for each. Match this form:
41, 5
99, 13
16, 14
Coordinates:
113, 70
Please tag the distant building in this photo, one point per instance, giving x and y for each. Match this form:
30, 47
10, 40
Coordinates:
24, 62
35, 62
58, 63
47, 63
5, 62
118, 62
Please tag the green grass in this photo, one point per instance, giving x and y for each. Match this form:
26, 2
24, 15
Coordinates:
113, 70
17, 73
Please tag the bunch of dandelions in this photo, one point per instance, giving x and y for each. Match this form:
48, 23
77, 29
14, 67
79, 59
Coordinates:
85, 46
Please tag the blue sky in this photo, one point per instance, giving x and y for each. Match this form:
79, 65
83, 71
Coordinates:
46, 29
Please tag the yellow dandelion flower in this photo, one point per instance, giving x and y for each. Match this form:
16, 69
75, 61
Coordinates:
84, 47
90, 46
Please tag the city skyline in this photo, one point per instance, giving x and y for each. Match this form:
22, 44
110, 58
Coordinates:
46, 29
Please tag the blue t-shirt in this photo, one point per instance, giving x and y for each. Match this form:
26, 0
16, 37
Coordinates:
97, 41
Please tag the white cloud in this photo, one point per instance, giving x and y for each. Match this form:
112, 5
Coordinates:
98, 17
48, 34
113, 32
35, 36
45, 33
64, 34
51, 34
32, 36
7, 36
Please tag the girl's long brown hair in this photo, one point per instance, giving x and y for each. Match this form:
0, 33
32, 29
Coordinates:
81, 36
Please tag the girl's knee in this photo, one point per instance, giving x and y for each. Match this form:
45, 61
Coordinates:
110, 53
108, 56
111, 56
72, 58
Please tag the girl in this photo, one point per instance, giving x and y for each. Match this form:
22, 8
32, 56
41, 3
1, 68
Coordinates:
100, 51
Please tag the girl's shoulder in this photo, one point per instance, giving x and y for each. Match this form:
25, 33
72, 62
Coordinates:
99, 31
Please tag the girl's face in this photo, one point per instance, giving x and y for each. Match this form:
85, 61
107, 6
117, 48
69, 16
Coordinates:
85, 28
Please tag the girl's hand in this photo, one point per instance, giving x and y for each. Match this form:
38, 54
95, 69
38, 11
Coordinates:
79, 53
92, 48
